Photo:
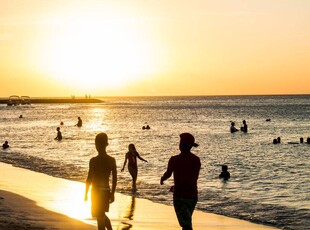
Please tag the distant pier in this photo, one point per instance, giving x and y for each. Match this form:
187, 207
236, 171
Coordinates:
57, 100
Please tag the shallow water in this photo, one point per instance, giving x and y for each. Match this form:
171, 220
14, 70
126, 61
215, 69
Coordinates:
269, 183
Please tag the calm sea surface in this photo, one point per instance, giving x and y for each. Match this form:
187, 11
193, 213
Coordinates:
269, 184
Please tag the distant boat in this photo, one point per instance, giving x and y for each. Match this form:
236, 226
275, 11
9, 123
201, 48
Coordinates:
25, 100
14, 100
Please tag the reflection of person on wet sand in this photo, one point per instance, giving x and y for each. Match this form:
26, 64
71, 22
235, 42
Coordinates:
129, 213
131, 208
59, 135
100, 168
132, 156
185, 168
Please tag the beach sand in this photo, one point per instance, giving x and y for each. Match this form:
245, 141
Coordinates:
31, 200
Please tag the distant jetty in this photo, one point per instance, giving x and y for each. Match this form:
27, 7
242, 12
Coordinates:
58, 100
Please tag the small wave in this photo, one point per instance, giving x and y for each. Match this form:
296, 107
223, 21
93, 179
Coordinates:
49, 167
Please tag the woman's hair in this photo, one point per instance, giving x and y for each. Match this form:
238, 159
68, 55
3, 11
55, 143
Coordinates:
132, 147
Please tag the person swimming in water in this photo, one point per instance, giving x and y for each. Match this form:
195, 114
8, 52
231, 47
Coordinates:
244, 128
132, 156
59, 135
233, 129
5, 145
225, 175
80, 122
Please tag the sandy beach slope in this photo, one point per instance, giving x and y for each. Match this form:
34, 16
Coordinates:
30, 200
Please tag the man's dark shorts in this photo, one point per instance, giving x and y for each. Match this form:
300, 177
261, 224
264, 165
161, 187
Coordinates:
184, 209
100, 201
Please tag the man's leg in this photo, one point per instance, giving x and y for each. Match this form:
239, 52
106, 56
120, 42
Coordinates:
108, 223
184, 209
101, 223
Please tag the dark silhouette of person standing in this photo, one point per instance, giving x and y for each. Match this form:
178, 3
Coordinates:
5, 145
59, 135
244, 128
100, 168
132, 156
185, 168
233, 129
225, 175
80, 122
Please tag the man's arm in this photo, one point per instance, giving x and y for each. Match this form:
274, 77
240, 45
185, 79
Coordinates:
114, 182
86, 191
88, 180
167, 174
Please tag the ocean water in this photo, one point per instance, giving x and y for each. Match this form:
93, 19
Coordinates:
269, 184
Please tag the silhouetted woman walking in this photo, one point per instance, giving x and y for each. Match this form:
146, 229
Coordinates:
132, 156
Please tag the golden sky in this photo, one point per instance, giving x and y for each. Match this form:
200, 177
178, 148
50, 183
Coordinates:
154, 47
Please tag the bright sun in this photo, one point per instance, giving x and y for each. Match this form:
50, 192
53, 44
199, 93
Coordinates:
91, 52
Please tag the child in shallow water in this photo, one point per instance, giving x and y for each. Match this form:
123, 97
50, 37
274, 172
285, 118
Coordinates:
225, 175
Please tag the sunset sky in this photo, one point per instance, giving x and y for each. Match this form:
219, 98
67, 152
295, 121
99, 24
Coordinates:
154, 47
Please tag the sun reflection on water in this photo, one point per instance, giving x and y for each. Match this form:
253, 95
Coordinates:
97, 119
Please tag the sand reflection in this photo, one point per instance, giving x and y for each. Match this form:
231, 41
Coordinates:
128, 215
68, 198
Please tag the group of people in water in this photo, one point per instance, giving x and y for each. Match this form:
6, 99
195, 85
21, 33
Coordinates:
301, 141
243, 128
59, 134
277, 140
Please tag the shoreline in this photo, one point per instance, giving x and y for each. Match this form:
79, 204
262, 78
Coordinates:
40, 201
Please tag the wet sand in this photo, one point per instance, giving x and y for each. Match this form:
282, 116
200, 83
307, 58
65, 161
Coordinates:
31, 200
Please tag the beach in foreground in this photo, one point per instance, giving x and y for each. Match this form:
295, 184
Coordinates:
31, 200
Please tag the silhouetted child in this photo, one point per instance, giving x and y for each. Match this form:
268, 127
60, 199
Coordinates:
275, 141
5, 145
225, 175
100, 169
59, 135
